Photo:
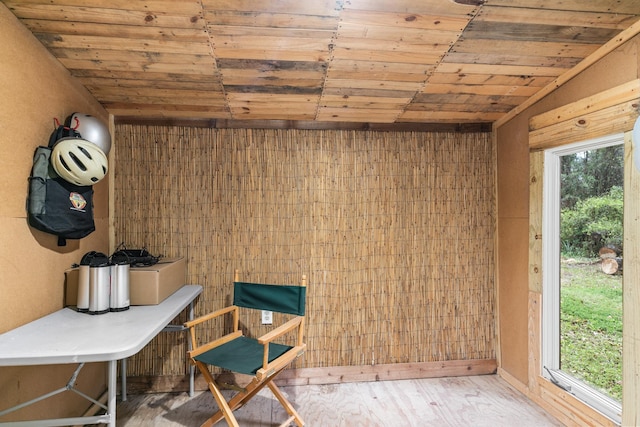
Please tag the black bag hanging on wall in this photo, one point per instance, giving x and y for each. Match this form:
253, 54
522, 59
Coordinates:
54, 205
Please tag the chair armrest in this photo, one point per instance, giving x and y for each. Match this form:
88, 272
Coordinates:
281, 330
191, 324
210, 316
213, 344
269, 368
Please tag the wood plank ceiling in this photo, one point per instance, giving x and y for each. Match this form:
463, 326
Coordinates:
362, 61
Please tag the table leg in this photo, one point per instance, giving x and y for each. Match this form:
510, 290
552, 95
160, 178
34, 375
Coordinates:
192, 369
111, 387
123, 379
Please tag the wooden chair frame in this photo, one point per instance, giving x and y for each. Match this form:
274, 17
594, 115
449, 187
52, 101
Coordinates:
263, 377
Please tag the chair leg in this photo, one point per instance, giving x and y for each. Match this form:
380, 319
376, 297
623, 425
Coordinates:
285, 403
253, 388
244, 396
225, 411
234, 403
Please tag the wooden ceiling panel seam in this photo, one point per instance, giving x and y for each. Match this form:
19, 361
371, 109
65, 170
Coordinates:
107, 30
520, 31
366, 67
312, 45
489, 79
330, 61
508, 70
345, 46
98, 55
158, 99
125, 84
295, 7
624, 7
171, 107
102, 15
356, 115
119, 43
536, 48
375, 19
267, 44
162, 115
235, 80
484, 89
434, 7
371, 84
438, 43
268, 20
371, 104
140, 68
148, 75
614, 20
337, 77
270, 97
446, 116
411, 59
470, 16
217, 73
186, 8
465, 99
453, 106
408, 22
273, 89
154, 92
519, 58
275, 33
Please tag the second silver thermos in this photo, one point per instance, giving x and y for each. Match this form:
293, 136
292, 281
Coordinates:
119, 282
99, 284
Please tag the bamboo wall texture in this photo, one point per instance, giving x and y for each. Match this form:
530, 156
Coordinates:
395, 232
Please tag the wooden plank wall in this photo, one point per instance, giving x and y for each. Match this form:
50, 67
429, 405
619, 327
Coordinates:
395, 231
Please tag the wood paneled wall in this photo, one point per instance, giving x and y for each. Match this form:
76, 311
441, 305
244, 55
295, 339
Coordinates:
395, 232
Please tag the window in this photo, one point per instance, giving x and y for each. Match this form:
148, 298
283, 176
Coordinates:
576, 383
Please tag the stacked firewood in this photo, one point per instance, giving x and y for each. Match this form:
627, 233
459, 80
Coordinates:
611, 260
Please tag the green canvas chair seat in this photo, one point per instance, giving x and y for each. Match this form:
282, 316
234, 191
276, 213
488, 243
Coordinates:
242, 355
262, 357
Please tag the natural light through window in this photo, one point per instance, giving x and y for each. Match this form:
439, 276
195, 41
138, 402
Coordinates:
582, 258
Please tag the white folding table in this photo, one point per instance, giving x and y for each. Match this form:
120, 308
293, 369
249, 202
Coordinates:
68, 336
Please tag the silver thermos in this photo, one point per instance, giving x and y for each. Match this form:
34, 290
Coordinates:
119, 300
99, 284
83, 282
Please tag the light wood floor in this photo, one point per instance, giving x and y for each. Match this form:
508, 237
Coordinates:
459, 401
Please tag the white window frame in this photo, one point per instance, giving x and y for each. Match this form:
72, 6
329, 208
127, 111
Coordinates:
551, 279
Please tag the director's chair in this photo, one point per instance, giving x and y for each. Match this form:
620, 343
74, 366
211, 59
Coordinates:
261, 358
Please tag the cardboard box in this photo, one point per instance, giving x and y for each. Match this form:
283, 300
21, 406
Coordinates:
147, 285
151, 285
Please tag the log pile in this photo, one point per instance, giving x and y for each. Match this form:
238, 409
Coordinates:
611, 261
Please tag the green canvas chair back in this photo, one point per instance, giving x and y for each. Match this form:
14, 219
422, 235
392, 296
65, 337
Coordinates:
279, 298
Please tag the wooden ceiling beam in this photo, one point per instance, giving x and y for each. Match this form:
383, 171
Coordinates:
300, 124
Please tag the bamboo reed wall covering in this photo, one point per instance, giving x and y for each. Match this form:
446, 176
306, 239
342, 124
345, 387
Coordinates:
395, 232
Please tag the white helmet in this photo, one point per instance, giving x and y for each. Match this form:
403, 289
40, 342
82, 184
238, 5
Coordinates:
78, 161
91, 129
